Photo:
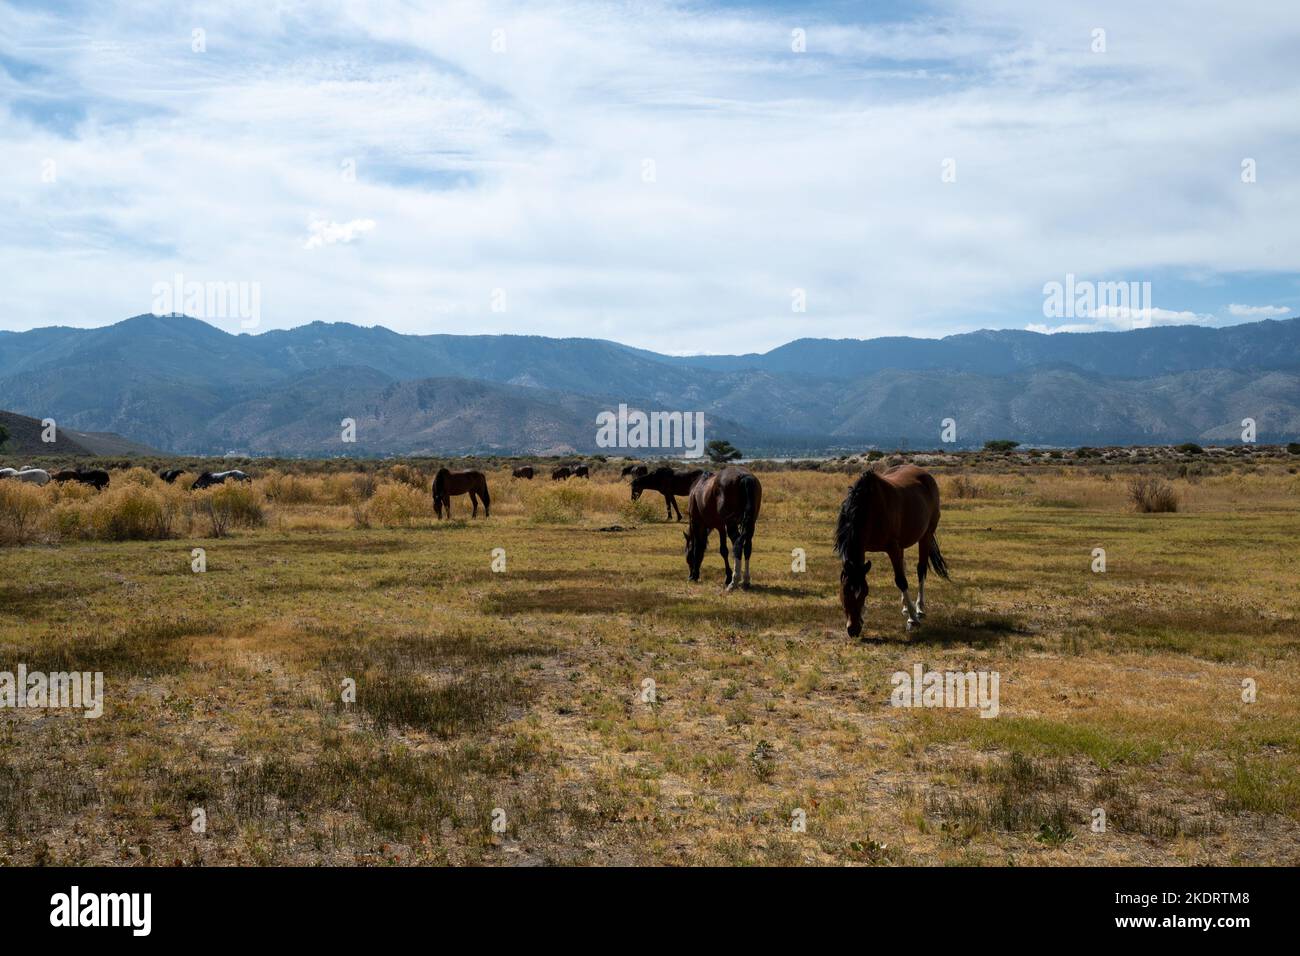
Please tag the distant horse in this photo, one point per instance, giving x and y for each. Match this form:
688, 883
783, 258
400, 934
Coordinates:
559, 474
581, 472
888, 512
170, 475
668, 483
210, 478
96, 477
35, 476
728, 503
524, 471
447, 483
636, 471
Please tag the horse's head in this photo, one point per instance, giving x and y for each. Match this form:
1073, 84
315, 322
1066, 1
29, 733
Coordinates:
853, 594
638, 486
695, 545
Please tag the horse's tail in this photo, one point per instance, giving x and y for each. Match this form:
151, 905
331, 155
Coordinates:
483, 493
937, 563
749, 509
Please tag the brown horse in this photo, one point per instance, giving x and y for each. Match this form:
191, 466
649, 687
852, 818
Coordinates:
728, 503
559, 474
581, 472
447, 483
524, 471
668, 483
888, 512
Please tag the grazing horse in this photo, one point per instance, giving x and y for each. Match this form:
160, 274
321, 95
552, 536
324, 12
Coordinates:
559, 474
728, 503
96, 477
524, 471
668, 483
888, 512
8, 473
210, 478
447, 483
636, 471
35, 476
170, 475
581, 472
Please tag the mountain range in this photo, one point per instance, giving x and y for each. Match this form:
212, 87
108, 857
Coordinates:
181, 384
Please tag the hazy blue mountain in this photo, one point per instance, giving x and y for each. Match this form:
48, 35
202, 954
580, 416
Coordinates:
179, 383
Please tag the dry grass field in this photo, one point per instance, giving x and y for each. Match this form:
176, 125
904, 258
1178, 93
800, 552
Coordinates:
519, 697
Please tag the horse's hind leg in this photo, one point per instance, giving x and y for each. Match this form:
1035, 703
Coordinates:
722, 550
672, 504
737, 550
900, 580
749, 547
473, 498
922, 566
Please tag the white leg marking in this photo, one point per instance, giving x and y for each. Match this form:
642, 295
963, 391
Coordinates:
920, 600
910, 610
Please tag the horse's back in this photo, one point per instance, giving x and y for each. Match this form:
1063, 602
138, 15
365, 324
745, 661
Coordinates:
723, 496
919, 500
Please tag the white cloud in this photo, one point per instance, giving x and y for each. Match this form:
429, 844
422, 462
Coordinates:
1120, 318
522, 170
326, 233
1260, 311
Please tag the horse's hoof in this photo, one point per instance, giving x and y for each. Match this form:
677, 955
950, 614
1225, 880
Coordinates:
745, 586
912, 624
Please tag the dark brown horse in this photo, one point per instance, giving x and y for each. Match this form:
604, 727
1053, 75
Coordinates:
888, 512
581, 472
668, 483
96, 477
524, 471
636, 471
170, 475
728, 503
559, 474
447, 483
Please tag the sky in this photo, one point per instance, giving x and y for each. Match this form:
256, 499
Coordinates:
703, 177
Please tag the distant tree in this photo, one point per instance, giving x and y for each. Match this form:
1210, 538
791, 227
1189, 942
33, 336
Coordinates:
1292, 447
1191, 448
1001, 445
4, 435
721, 451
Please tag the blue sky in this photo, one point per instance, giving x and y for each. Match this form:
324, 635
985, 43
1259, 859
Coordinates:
674, 176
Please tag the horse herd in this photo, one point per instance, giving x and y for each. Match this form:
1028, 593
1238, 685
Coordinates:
98, 479
887, 512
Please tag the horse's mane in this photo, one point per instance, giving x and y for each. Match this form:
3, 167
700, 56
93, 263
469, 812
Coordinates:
440, 479
853, 516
